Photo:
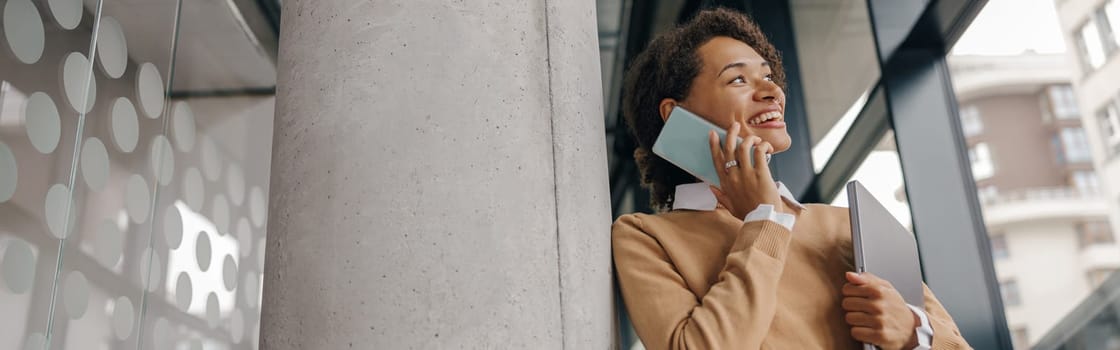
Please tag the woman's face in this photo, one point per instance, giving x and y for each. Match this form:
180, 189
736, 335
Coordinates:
735, 85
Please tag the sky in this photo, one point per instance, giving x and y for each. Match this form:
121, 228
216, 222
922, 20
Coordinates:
1007, 27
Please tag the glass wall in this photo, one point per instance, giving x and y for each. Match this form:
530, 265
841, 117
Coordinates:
134, 162
1040, 192
838, 63
881, 174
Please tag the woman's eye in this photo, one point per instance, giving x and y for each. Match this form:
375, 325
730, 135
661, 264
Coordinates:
739, 80
769, 77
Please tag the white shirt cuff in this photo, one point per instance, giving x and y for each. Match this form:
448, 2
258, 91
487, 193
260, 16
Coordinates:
924, 331
767, 212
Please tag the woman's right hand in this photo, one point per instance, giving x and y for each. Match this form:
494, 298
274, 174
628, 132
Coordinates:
744, 187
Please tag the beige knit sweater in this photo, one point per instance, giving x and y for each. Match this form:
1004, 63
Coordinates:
706, 280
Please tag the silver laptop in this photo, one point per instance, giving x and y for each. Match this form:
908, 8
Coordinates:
883, 246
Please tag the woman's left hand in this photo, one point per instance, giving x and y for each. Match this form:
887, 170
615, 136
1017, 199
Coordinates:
877, 313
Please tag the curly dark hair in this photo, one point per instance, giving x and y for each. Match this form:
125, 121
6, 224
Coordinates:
665, 70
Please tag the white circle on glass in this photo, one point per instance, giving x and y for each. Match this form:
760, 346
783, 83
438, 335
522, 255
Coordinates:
219, 212
211, 164
162, 159
183, 126
149, 89
235, 184
229, 272
35, 341
24, 30
244, 237
202, 251
257, 208
42, 122
137, 197
160, 333
112, 49
56, 208
78, 82
237, 326
173, 227
95, 163
123, 315
75, 294
126, 128
249, 287
109, 243
213, 313
183, 291
18, 266
193, 193
9, 173
153, 275
68, 13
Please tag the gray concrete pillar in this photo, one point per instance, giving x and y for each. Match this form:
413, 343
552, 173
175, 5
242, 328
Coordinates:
439, 178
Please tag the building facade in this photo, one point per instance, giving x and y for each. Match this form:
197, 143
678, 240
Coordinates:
1035, 178
1092, 32
1091, 29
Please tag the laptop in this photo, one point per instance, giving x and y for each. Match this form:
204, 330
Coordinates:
883, 246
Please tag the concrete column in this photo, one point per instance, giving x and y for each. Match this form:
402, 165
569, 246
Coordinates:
439, 178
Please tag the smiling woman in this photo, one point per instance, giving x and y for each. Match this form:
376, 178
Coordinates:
723, 267
663, 76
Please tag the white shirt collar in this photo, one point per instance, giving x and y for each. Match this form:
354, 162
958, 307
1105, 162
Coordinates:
698, 196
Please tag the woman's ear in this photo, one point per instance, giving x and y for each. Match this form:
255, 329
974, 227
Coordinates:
666, 108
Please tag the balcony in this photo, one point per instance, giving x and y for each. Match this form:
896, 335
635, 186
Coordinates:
1102, 256
1042, 204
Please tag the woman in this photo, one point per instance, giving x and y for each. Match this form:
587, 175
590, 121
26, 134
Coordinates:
744, 266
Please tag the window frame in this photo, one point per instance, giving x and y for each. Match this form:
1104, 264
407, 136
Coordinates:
1074, 139
1009, 290
1063, 102
1087, 54
978, 163
972, 123
1000, 251
1108, 125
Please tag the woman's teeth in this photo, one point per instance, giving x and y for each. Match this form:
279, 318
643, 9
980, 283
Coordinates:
765, 117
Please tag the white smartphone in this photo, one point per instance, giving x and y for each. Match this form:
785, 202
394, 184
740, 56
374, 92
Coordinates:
683, 141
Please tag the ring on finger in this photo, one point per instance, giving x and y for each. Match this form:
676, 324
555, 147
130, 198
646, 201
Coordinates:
731, 163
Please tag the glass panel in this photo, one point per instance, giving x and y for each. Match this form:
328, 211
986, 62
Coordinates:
122, 164
1064, 102
1108, 120
1039, 192
981, 158
213, 213
833, 87
1076, 145
881, 174
1086, 182
1112, 12
1108, 38
47, 92
971, 122
1090, 39
162, 190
